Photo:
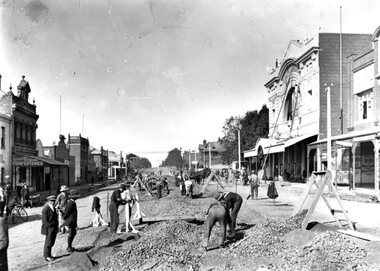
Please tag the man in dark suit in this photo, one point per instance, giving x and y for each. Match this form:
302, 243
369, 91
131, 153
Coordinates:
49, 226
116, 201
70, 217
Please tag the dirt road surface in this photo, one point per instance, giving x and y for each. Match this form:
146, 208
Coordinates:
266, 237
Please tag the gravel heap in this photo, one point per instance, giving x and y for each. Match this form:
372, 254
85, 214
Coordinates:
168, 245
264, 239
327, 251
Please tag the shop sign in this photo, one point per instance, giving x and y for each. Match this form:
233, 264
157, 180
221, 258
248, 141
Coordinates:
27, 162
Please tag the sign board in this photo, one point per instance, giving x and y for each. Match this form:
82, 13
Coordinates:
27, 162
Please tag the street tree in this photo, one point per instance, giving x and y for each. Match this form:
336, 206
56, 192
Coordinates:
174, 158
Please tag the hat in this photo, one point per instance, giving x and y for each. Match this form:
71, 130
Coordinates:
122, 185
74, 194
127, 185
64, 188
218, 195
51, 198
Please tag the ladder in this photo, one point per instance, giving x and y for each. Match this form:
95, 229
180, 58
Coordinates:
320, 180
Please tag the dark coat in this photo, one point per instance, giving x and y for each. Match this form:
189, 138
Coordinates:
49, 219
231, 199
71, 214
272, 191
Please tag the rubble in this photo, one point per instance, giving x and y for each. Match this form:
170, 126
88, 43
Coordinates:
164, 246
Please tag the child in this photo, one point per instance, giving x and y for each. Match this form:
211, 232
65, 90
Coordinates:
98, 219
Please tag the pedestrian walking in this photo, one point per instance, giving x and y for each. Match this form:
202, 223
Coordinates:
254, 183
272, 191
116, 201
2, 201
49, 226
234, 202
98, 219
70, 217
60, 205
7, 193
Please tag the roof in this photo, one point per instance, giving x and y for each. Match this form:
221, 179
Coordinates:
49, 161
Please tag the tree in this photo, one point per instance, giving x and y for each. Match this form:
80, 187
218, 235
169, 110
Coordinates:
230, 139
143, 163
254, 125
174, 158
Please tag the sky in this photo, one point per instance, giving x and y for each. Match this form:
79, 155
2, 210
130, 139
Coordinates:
145, 77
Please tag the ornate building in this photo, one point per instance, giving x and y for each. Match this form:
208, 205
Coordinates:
297, 101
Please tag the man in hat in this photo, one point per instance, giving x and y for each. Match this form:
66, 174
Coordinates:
60, 204
116, 201
70, 217
234, 202
49, 226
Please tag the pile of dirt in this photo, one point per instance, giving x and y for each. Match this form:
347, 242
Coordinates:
265, 239
327, 251
164, 246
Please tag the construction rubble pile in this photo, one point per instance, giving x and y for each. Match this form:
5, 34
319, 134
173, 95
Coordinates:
264, 239
326, 251
169, 245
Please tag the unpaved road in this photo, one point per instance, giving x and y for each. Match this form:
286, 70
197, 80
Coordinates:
26, 242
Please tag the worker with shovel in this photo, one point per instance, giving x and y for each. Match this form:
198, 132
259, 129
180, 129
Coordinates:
234, 202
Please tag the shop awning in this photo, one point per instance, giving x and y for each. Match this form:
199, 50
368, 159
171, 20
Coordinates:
275, 148
50, 161
250, 153
297, 139
363, 135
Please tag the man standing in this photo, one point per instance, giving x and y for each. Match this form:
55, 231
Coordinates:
70, 217
116, 201
60, 204
234, 202
49, 226
254, 182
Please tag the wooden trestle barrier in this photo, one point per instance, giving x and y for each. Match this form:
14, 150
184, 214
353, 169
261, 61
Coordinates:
320, 179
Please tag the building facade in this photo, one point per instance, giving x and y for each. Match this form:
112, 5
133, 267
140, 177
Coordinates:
101, 163
79, 148
297, 104
5, 149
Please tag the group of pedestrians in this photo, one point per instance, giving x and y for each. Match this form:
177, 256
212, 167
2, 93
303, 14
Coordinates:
59, 214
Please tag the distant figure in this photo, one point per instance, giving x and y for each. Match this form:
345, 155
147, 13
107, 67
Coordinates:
255, 183
25, 195
92, 180
7, 193
189, 188
350, 179
98, 219
304, 175
2, 201
49, 226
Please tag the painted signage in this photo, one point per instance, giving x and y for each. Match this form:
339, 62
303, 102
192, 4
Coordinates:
27, 162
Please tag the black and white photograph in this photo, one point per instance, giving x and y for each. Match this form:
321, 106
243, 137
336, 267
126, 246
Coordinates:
197, 135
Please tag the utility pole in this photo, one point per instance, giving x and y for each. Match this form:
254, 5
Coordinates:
328, 140
209, 154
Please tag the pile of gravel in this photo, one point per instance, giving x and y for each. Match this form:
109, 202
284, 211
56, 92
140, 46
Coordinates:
327, 251
169, 245
264, 239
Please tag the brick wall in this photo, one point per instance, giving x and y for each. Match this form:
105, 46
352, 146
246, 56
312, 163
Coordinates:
329, 59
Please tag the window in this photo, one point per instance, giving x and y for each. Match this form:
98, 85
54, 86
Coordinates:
2, 137
364, 110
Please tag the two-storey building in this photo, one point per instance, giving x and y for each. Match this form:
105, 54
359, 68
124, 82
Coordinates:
298, 103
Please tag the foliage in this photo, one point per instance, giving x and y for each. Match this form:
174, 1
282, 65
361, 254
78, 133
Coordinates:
142, 162
174, 158
253, 125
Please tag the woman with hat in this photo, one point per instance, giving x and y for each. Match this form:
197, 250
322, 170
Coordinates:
49, 226
60, 204
116, 201
70, 217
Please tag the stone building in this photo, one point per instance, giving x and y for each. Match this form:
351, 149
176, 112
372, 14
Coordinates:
297, 101
5, 148
79, 148
101, 163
